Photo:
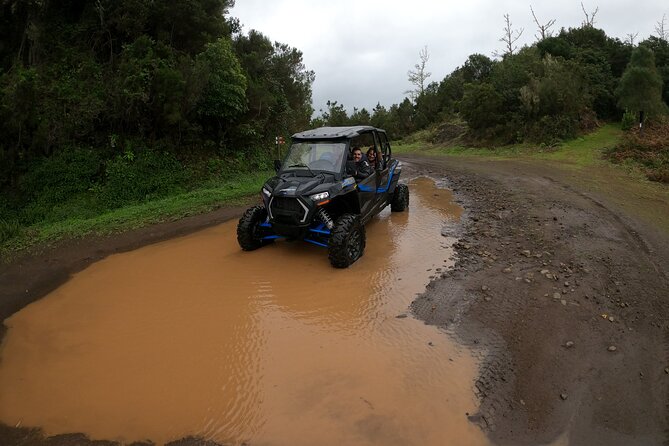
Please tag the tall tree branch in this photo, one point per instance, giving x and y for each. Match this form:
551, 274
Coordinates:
543, 29
589, 18
509, 38
661, 30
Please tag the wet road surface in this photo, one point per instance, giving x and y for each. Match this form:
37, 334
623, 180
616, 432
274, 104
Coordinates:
195, 337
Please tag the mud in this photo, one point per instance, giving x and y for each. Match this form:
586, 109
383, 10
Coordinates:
194, 338
551, 274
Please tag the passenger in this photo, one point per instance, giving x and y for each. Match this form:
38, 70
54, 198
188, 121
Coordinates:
371, 158
362, 167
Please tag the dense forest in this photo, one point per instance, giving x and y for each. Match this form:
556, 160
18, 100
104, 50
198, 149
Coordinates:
119, 96
107, 103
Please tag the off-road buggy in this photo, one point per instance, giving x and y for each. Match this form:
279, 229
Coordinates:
315, 198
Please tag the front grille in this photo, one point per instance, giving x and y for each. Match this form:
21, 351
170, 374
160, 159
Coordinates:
288, 210
284, 204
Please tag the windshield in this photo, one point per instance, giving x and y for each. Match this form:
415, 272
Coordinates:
314, 155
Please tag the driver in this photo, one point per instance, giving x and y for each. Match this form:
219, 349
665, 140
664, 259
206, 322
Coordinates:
362, 167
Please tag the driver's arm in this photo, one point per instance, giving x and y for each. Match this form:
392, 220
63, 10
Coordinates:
363, 170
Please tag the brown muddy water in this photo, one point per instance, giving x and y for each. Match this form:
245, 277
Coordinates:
193, 337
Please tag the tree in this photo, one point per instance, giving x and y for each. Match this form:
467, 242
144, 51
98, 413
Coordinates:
427, 106
419, 76
279, 88
360, 117
544, 29
660, 49
661, 29
631, 37
335, 115
477, 68
482, 107
224, 97
640, 88
509, 38
450, 91
379, 117
589, 21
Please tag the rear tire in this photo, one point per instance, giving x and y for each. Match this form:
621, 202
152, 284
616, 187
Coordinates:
249, 232
400, 200
347, 241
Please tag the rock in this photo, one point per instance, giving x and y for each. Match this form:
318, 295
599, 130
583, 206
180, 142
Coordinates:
611, 319
666, 370
430, 344
506, 270
401, 316
544, 272
563, 396
557, 295
526, 253
484, 288
487, 298
569, 344
612, 348
563, 302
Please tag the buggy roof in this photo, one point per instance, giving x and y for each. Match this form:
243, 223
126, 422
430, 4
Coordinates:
335, 132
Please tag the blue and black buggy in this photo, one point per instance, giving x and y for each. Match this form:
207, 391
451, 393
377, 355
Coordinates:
315, 198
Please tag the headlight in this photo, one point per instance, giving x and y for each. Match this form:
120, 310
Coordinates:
266, 192
320, 197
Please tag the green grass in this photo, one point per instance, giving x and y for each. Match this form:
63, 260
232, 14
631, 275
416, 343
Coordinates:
586, 150
583, 151
229, 192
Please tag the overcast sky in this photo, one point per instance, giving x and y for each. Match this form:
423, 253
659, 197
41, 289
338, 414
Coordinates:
361, 50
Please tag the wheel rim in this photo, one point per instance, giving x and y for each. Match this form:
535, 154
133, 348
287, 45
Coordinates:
353, 245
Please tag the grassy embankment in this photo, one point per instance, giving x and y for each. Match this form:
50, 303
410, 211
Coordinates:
231, 191
583, 151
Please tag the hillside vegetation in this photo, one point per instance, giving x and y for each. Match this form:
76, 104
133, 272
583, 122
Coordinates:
111, 106
557, 88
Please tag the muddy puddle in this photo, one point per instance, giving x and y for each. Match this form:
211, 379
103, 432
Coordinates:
193, 337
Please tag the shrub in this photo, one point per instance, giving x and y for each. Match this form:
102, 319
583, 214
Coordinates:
629, 120
53, 181
552, 129
67, 172
132, 178
9, 229
649, 150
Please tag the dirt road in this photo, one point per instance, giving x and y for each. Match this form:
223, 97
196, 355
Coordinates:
560, 287
566, 296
